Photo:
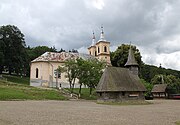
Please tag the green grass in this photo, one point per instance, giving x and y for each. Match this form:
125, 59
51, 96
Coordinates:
13, 91
126, 103
178, 123
85, 93
17, 79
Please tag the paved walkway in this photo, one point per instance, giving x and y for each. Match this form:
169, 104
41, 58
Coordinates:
162, 112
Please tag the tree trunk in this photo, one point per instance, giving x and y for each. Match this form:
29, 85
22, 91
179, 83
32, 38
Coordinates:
10, 70
90, 92
70, 84
1, 69
72, 88
73, 85
80, 90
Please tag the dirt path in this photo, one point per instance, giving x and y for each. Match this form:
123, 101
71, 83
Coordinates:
162, 112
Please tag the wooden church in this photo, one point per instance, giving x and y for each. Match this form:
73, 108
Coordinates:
121, 84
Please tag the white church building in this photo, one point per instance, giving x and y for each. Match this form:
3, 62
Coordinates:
43, 68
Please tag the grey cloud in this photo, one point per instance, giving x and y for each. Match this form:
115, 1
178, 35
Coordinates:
69, 23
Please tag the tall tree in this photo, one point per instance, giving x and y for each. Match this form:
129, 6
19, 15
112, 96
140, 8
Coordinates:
120, 55
95, 70
12, 48
38, 50
2, 52
90, 72
70, 67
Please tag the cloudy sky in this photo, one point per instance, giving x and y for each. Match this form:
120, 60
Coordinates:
152, 25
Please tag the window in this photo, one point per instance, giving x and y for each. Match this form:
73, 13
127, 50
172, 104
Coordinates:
90, 53
133, 94
57, 74
37, 72
98, 50
95, 53
105, 49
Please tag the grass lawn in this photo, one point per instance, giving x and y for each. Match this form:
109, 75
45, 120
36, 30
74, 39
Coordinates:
17, 79
178, 123
17, 88
85, 93
13, 91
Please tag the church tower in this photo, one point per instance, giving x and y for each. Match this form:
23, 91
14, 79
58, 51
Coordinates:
92, 48
131, 62
100, 49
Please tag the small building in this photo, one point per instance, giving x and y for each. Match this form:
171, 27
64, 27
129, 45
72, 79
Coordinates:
43, 70
121, 84
159, 91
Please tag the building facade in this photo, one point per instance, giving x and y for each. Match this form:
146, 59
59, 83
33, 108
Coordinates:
44, 71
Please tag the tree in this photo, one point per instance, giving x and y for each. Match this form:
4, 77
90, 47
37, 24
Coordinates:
173, 83
148, 86
149, 71
61, 50
70, 67
82, 69
120, 56
37, 51
94, 74
12, 49
159, 79
89, 74
2, 50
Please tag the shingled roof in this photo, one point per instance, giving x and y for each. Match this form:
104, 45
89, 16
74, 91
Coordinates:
131, 59
61, 57
119, 79
159, 88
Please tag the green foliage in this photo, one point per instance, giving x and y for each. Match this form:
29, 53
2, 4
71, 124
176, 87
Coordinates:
71, 69
17, 79
37, 51
172, 82
12, 49
148, 86
88, 72
120, 56
13, 91
178, 123
14, 55
149, 71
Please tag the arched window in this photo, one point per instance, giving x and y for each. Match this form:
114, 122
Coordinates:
98, 50
37, 72
105, 49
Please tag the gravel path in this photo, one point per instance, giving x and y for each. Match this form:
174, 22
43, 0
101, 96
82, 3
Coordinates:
162, 112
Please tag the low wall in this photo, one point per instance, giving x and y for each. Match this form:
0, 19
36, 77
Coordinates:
45, 83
